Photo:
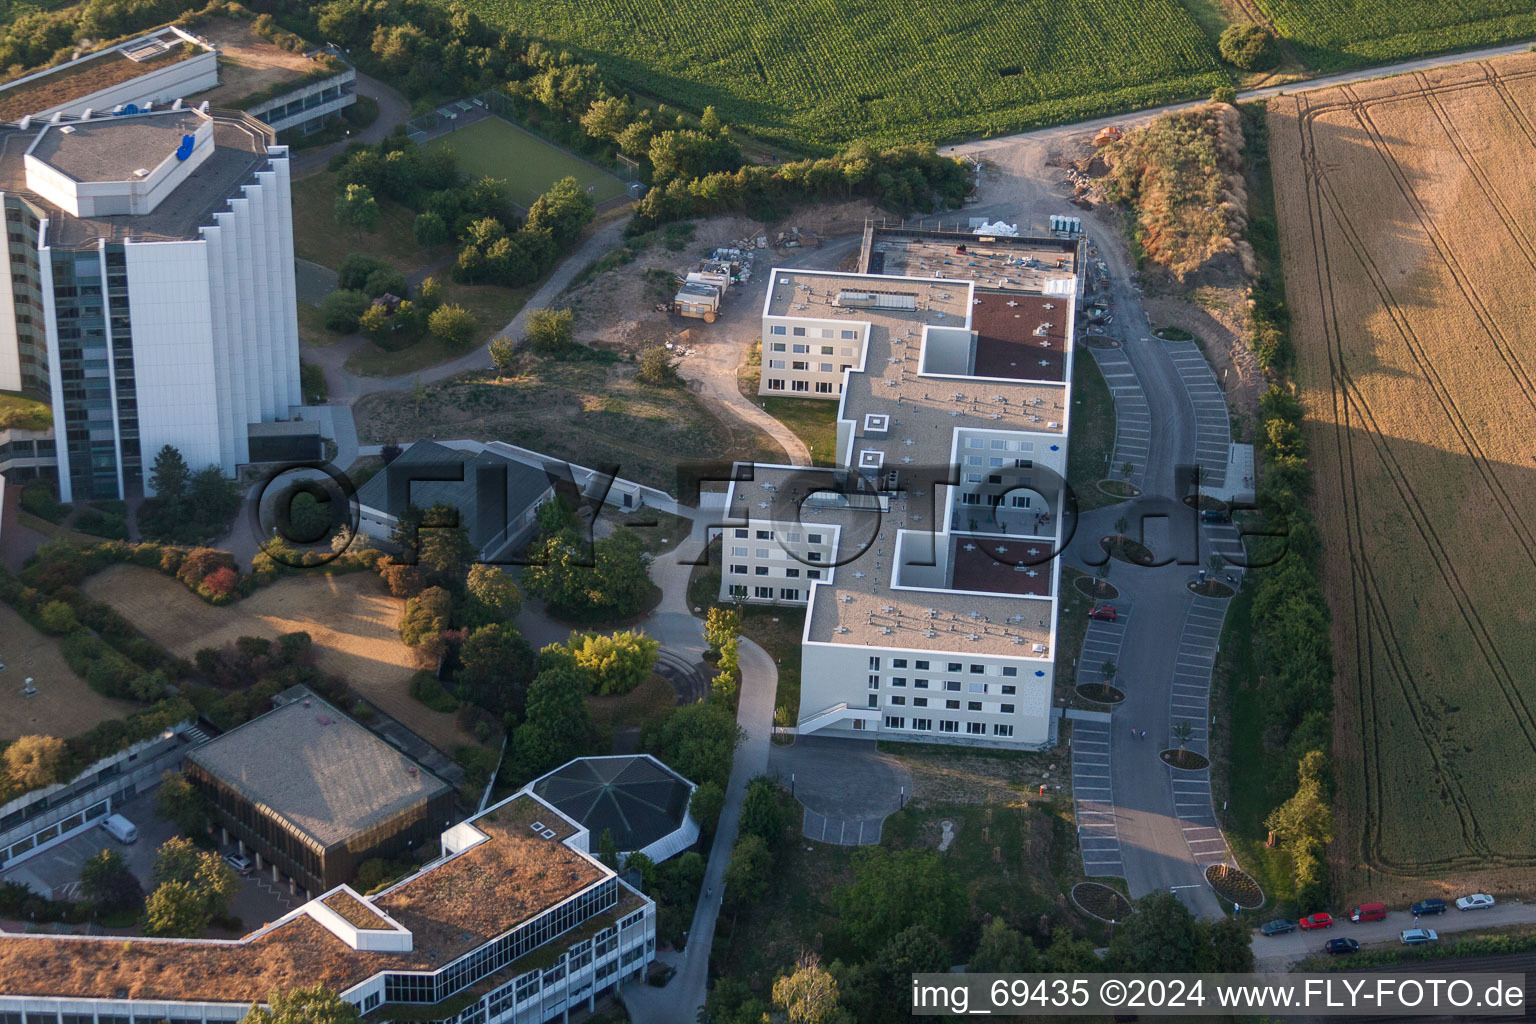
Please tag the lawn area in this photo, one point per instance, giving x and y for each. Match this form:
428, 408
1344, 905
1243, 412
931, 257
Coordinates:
1254, 778
810, 73
658, 531
649, 700
312, 330
813, 421
493, 306
64, 705
352, 620
317, 236
24, 413
494, 148
590, 412
1092, 435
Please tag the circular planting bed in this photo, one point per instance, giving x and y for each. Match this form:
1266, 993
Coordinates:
1100, 693
1204, 502
1174, 334
1096, 589
1235, 886
1099, 341
1100, 901
1211, 588
1119, 488
1127, 550
1185, 760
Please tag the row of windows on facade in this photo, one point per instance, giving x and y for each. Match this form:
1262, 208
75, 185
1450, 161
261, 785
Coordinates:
900, 701
823, 387
766, 593
740, 569
922, 664
948, 725
790, 537
953, 685
804, 366
847, 334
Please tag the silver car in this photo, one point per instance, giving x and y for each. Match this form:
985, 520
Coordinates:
1477, 901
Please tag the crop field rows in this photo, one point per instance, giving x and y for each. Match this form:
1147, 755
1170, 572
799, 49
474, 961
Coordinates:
1405, 207
827, 72
1333, 34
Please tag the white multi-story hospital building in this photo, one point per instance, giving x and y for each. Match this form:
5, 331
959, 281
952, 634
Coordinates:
926, 557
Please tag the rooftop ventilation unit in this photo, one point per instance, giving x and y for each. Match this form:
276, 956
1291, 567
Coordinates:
877, 424
68, 129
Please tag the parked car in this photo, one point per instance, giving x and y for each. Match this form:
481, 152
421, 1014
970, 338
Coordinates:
1433, 905
1279, 926
1315, 921
121, 829
1105, 612
1216, 515
1477, 901
1368, 912
1419, 936
1340, 947
240, 862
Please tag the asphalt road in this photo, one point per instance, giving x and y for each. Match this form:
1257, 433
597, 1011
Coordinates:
1279, 952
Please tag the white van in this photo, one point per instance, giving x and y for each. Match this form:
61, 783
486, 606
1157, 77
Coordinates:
121, 829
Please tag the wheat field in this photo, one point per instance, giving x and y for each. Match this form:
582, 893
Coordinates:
1408, 225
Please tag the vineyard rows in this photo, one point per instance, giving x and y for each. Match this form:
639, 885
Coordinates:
830, 71
1333, 34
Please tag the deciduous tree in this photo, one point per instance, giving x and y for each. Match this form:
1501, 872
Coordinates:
313, 1005
35, 761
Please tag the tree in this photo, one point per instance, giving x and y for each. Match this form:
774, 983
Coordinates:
342, 310
1247, 47
762, 814
1070, 955
443, 548
617, 663
1108, 670
503, 354
550, 331
1304, 824
426, 616
893, 891
610, 582
170, 475
1127, 469
1002, 950
657, 367
1162, 936
314, 1005
430, 230
35, 761
1231, 949
705, 805
429, 295
453, 324
1182, 732
57, 618
698, 740
357, 209
174, 910
495, 596
106, 881
374, 323
210, 880
386, 279
178, 801
721, 625
563, 210
1121, 525
607, 852
808, 995
606, 118
746, 877
495, 667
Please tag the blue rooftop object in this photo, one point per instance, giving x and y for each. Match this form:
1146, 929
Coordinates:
128, 108
185, 149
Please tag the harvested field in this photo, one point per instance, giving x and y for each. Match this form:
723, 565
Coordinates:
353, 622
1407, 209
64, 706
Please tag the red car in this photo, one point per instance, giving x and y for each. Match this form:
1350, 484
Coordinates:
1106, 612
1312, 921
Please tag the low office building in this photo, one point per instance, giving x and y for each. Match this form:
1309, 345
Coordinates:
314, 794
926, 558
150, 289
497, 496
514, 922
634, 798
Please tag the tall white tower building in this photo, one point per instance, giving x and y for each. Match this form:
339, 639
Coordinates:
150, 298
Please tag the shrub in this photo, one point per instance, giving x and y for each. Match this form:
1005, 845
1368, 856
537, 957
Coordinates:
1248, 47
221, 582
426, 688
57, 617
550, 331
452, 323
342, 309
37, 498
430, 230
200, 562
657, 367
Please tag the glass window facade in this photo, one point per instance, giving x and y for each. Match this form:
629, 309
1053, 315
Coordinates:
85, 369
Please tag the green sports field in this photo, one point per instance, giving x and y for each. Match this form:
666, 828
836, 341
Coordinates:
829, 71
496, 149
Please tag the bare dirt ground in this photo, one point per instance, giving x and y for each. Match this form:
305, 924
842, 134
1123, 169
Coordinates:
1406, 207
64, 706
1215, 315
247, 62
354, 625
957, 776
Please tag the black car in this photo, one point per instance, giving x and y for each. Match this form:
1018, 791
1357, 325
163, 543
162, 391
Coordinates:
1429, 906
1216, 515
1341, 947
1279, 926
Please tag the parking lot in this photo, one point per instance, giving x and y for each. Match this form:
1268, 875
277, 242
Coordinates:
56, 871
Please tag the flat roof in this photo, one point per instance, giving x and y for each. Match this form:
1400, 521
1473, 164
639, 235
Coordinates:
91, 73
1021, 336
450, 907
240, 150
318, 770
993, 262
112, 148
